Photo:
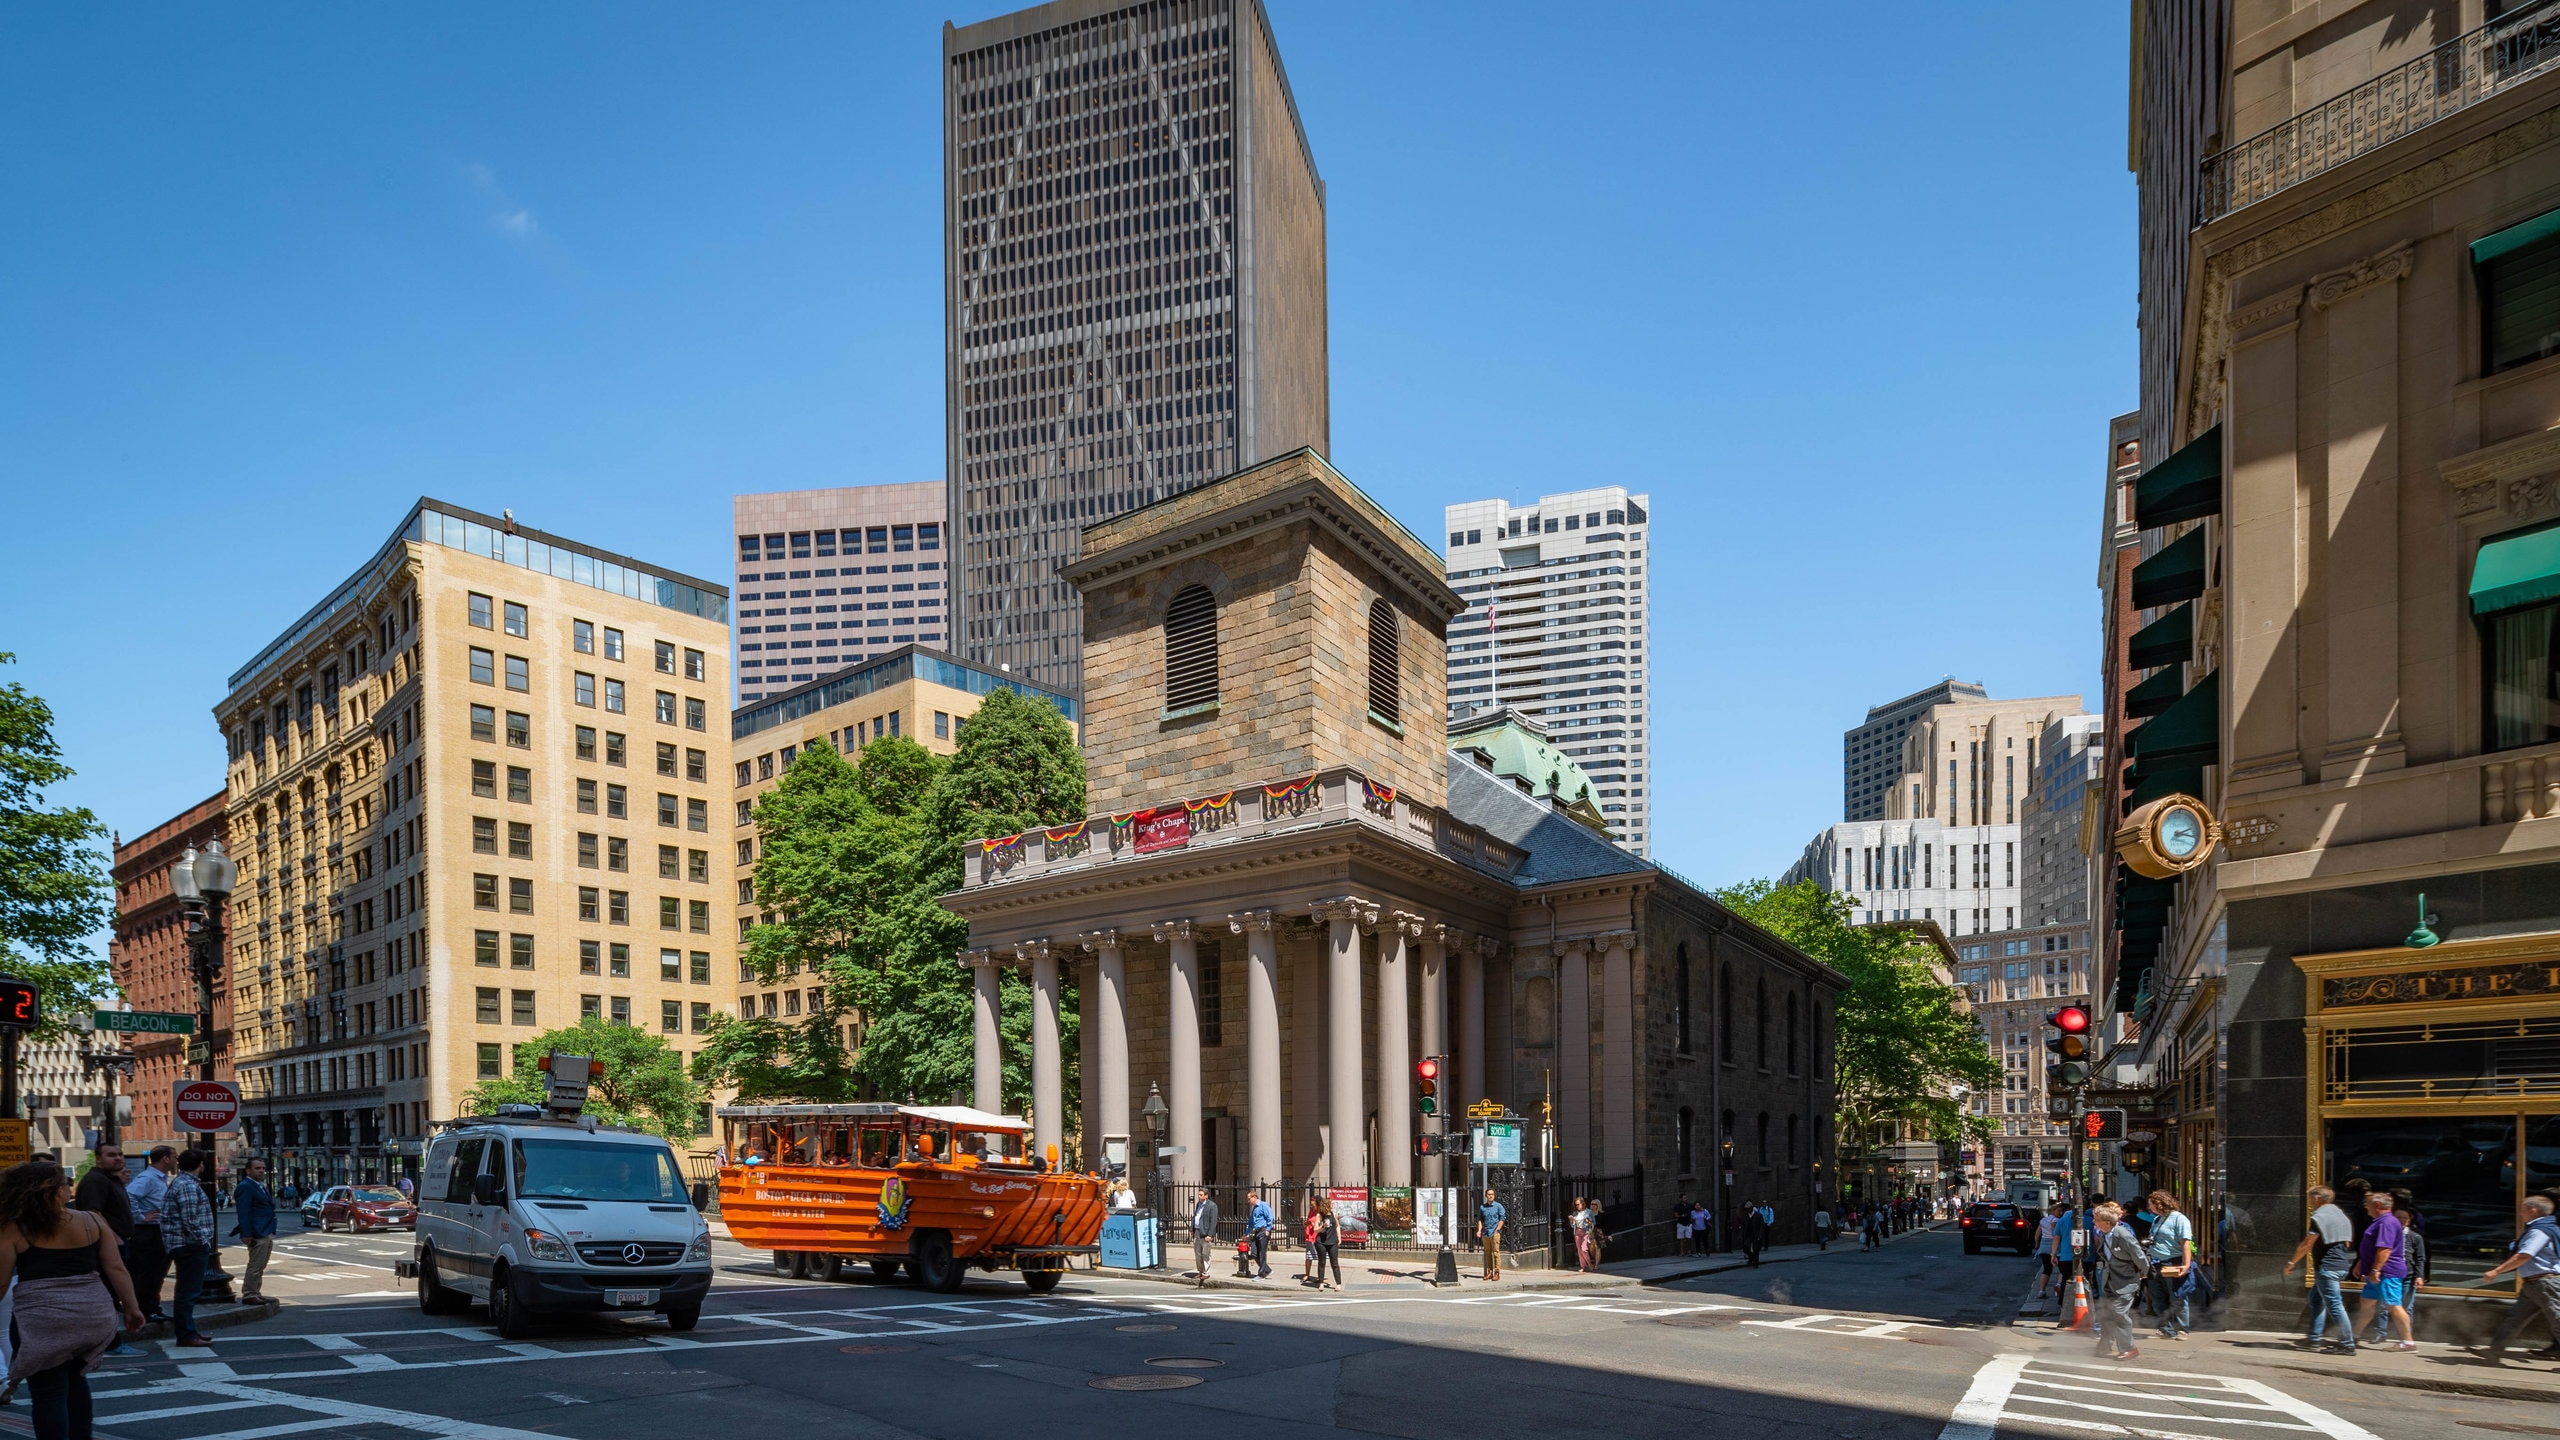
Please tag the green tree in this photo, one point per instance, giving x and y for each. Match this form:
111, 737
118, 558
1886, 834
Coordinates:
854, 860
1901, 1045
54, 886
643, 1083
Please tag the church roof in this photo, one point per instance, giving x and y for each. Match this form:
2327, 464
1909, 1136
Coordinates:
1560, 849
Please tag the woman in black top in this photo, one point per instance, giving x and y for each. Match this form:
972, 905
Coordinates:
1328, 1245
62, 1319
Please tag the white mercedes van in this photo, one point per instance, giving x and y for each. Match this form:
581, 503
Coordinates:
540, 1215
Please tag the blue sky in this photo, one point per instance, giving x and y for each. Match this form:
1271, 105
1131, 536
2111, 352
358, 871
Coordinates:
1853, 299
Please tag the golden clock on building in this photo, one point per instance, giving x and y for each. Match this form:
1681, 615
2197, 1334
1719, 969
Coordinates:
2169, 836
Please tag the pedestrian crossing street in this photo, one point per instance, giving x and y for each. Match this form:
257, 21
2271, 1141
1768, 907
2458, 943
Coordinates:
2019, 1394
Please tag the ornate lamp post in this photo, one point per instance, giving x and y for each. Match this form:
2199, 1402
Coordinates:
202, 881
1155, 1111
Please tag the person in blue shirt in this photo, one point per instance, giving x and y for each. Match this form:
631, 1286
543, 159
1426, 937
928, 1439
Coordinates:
256, 1227
1258, 1226
1489, 1218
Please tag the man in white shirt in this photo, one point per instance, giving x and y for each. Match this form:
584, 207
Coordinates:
2045, 1281
2329, 1243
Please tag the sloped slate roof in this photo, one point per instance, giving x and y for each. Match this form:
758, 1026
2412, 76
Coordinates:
1559, 849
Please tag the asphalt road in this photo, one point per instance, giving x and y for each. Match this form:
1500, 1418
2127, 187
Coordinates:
1912, 1343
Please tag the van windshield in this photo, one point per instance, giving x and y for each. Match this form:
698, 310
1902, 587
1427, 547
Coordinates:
591, 1170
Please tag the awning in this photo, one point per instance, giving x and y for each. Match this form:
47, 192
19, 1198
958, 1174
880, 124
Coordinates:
2152, 696
2515, 237
2175, 573
2186, 486
2175, 780
2169, 640
2190, 730
2518, 569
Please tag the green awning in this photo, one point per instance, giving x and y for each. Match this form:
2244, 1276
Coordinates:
2515, 237
2169, 640
2188, 780
2518, 569
2190, 730
2186, 486
2153, 695
2175, 573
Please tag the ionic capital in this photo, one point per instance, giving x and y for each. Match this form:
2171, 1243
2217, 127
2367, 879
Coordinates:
1098, 941
1168, 931
1409, 925
1615, 940
1032, 951
981, 960
1263, 920
1363, 913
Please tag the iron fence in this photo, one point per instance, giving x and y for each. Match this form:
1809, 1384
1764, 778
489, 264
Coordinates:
2452, 77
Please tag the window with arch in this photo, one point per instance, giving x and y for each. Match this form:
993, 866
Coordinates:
1191, 649
1724, 1018
1760, 1016
1680, 998
1386, 692
1791, 1047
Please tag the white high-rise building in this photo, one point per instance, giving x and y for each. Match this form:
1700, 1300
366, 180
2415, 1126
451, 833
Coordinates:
1555, 628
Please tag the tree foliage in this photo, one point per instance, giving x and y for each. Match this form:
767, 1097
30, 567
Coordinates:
854, 858
54, 887
1902, 1046
643, 1084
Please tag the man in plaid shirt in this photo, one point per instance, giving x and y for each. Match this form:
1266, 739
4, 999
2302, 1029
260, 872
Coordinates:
186, 1225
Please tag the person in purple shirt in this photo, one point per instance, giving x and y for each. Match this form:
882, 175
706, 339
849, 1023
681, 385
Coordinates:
2382, 1262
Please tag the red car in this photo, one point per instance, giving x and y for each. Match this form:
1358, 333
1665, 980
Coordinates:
367, 1207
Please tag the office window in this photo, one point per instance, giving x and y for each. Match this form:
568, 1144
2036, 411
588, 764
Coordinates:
941, 725
590, 957
666, 707
667, 760
617, 907
613, 748
520, 1007
764, 766
2520, 668
612, 643
696, 715
697, 815
519, 896
515, 619
519, 730
746, 812
618, 962
670, 913
519, 840
520, 951
746, 772
588, 856
701, 1018
617, 853
617, 804
2519, 305
484, 722
590, 1007
698, 916
697, 766
613, 697
586, 742
484, 666
671, 966
697, 866
668, 862
484, 892
582, 637
586, 797
700, 962
693, 666
590, 903
671, 1016
519, 673
481, 614
520, 784
621, 1011
1191, 649
484, 948
666, 809
582, 690
485, 1010
484, 835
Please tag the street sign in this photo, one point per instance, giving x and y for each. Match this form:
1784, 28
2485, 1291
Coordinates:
205, 1105
1485, 1110
199, 1052
14, 1146
146, 1022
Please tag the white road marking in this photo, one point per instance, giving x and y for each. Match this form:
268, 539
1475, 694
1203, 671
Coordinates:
326, 1413
1840, 1325
1978, 1413
2028, 1390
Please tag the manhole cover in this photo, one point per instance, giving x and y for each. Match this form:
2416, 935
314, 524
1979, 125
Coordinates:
1186, 1362
1143, 1382
1144, 1329
874, 1349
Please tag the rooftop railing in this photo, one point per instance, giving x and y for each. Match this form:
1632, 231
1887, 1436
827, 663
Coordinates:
2400, 101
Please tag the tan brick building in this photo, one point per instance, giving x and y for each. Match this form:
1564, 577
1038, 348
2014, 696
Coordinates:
149, 958
476, 793
912, 691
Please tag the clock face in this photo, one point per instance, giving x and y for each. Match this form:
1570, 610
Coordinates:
2181, 833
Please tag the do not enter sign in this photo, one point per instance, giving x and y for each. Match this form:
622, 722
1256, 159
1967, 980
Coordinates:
205, 1105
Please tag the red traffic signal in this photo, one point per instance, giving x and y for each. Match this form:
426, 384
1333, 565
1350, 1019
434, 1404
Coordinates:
1427, 1068
1426, 1085
2070, 1020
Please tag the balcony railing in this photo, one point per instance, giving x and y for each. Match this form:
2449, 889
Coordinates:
2400, 101
1328, 797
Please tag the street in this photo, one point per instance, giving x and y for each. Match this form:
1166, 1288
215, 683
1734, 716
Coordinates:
1910, 1342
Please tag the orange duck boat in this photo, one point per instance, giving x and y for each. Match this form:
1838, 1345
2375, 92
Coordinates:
930, 1190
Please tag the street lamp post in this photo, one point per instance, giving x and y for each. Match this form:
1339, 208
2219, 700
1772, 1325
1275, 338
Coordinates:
202, 881
1155, 1111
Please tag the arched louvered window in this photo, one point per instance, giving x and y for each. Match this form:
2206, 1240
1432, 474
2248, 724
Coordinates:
1386, 694
1191, 649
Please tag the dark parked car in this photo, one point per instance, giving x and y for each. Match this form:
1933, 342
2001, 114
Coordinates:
1997, 1224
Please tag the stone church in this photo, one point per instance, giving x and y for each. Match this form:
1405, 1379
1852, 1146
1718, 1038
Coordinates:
1290, 890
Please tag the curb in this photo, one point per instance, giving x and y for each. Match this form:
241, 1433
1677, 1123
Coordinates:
214, 1317
1739, 1262
1277, 1286
2473, 1389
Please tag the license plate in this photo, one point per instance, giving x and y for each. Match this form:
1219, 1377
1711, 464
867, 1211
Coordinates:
631, 1297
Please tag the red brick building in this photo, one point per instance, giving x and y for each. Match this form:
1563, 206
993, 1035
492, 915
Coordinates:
149, 956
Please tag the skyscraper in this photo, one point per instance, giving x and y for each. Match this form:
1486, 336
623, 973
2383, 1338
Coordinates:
831, 578
1575, 665
1871, 754
1135, 265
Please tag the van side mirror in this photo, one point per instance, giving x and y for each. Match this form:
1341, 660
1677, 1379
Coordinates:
485, 1190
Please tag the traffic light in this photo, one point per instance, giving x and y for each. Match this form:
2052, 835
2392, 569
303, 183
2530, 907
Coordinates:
2102, 1125
1426, 1085
2069, 1046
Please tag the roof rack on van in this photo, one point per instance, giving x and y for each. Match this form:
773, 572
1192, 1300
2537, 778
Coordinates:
531, 1115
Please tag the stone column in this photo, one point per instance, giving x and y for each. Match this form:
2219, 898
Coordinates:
1048, 1091
1618, 1066
1344, 920
1471, 1056
1573, 1056
1261, 1044
1107, 1016
1393, 1164
1182, 1035
989, 1069
1308, 1128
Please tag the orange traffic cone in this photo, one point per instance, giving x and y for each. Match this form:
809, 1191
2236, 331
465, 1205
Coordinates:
2075, 1305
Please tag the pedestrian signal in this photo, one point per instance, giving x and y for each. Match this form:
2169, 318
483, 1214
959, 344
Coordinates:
1426, 1085
2102, 1125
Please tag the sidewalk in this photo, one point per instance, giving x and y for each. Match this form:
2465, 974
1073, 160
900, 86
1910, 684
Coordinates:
1663, 1269
1361, 1277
